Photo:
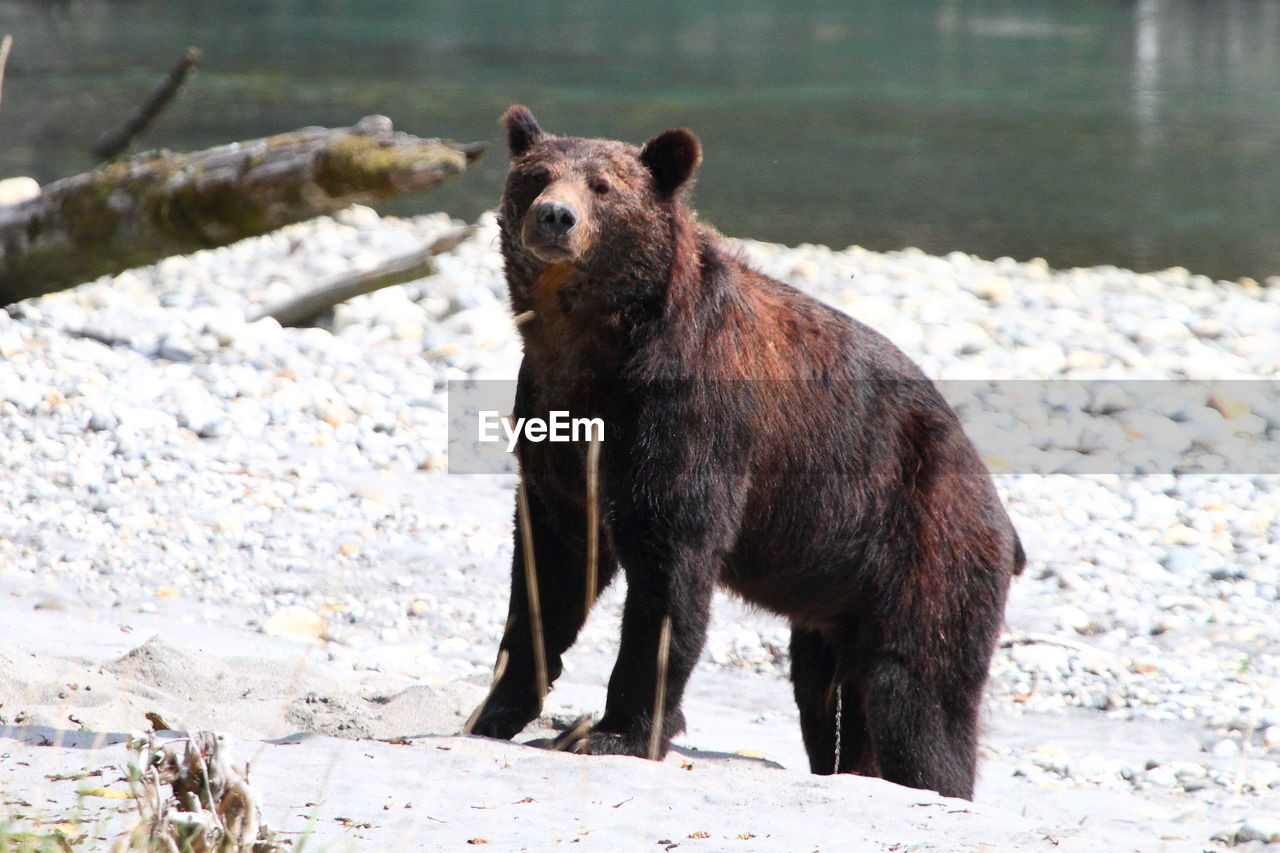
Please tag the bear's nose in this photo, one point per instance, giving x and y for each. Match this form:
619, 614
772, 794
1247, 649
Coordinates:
555, 218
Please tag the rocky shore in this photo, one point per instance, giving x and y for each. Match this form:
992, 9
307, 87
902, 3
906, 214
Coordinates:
166, 461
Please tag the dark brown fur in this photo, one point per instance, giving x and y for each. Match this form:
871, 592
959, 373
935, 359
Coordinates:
755, 438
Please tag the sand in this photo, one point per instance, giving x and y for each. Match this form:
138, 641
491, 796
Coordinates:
372, 761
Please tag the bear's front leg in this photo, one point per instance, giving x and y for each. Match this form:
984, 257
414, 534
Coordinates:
516, 697
675, 511
681, 594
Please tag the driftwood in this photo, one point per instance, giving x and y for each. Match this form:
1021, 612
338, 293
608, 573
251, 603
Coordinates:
305, 309
137, 211
117, 139
5, 44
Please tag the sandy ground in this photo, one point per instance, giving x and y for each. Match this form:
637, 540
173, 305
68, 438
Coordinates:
369, 760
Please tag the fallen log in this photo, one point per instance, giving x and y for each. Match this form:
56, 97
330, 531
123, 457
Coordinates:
305, 309
134, 212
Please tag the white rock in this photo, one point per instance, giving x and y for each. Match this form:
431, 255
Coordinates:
1226, 748
18, 190
1070, 618
1041, 657
1052, 757
295, 621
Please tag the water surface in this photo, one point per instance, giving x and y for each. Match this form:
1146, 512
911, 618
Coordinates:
1142, 133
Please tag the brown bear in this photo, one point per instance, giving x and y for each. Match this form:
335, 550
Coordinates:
755, 438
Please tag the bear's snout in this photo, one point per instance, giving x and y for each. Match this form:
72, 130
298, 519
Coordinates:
555, 219
556, 225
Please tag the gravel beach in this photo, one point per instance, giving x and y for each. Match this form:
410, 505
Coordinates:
230, 489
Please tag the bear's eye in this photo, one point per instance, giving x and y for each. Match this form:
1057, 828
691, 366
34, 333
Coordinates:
600, 187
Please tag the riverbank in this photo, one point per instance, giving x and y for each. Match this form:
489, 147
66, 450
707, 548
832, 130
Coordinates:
272, 504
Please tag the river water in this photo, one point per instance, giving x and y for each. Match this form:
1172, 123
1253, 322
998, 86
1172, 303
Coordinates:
1142, 133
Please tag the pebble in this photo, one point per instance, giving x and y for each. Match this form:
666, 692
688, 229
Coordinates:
294, 621
1226, 748
1071, 618
1264, 829
18, 190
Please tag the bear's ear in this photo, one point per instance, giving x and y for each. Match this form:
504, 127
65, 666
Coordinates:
522, 129
671, 157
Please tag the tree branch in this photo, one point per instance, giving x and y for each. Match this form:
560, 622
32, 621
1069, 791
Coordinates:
114, 141
5, 44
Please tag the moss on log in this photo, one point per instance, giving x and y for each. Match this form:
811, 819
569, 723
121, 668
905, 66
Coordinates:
158, 203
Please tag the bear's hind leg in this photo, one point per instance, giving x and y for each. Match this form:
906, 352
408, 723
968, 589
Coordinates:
820, 695
924, 733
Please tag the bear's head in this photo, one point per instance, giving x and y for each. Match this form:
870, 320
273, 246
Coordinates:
591, 203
